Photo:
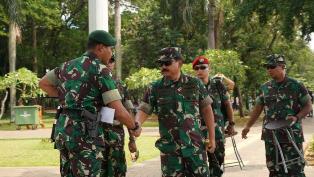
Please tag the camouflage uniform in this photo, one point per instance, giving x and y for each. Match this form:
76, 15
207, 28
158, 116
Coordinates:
181, 143
219, 94
279, 101
82, 83
114, 163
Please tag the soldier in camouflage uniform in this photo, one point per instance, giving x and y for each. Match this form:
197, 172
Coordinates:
84, 83
281, 98
179, 101
114, 162
219, 95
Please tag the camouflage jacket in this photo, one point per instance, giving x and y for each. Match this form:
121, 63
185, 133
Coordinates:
126, 100
218, 92
82, 83
177, 105
279, 101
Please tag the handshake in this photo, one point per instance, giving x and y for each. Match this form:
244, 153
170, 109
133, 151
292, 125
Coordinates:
136, 131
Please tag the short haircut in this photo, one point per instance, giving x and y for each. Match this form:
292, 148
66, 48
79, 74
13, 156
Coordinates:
92, 44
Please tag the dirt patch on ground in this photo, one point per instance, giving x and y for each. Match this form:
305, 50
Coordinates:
309, 153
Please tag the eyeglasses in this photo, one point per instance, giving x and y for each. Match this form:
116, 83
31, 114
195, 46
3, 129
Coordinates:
271, 66
200, 68
166, 63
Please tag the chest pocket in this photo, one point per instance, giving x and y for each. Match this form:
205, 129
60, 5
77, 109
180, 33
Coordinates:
190, 93
166, 100
190, 99
270, 102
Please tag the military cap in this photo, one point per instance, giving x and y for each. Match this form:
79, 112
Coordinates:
169, 53
102, 37
275, 59
200, 60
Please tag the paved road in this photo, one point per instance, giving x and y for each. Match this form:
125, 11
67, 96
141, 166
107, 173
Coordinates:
251, 150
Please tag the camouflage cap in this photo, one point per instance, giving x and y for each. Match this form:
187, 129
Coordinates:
169, 53
102, 37
275, 59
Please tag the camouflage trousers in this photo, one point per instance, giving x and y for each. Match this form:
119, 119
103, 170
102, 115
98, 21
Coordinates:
80, 155
216, 159
295, 170
114, 163
178, 166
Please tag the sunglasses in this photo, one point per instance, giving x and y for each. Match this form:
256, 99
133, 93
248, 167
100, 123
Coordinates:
200, 68
166, 63
271, 66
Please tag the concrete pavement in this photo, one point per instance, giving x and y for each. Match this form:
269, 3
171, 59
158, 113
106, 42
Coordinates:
251, 150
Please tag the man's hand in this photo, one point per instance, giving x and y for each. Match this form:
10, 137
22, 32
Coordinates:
245, 131
133, 150
230, 130
210, 146
220, 75
136, 132
293, 119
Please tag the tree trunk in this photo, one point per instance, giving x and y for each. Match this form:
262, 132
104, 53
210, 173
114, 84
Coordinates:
35, 61
219, 20
211, 24
12, 64
117, 30
3, 103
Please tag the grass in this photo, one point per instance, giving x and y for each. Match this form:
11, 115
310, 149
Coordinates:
40, 152
241, 121
48, 119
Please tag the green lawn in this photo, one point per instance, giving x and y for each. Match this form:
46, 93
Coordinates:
40, 152
49, 119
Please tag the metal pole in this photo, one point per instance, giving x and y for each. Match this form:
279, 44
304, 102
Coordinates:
98, 15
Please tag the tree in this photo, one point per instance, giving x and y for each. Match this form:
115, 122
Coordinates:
13, 6
211, 24
117, 30
295, 16
26, 83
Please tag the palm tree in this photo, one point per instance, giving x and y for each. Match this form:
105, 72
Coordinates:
117, 31
181, 13
211, 24
13, 28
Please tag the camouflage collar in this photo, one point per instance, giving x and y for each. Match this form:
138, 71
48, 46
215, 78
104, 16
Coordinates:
280, 84
91, 55
182, 79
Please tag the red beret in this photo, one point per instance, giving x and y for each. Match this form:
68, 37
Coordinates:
200, 60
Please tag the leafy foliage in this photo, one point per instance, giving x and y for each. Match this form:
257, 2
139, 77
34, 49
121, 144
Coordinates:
227, 62
293, 15
26, 83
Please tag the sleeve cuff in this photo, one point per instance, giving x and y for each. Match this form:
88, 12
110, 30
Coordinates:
110, 96
259, 101
205, 102
128, 104
305, 99
226, 97
51, 76
145, 107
